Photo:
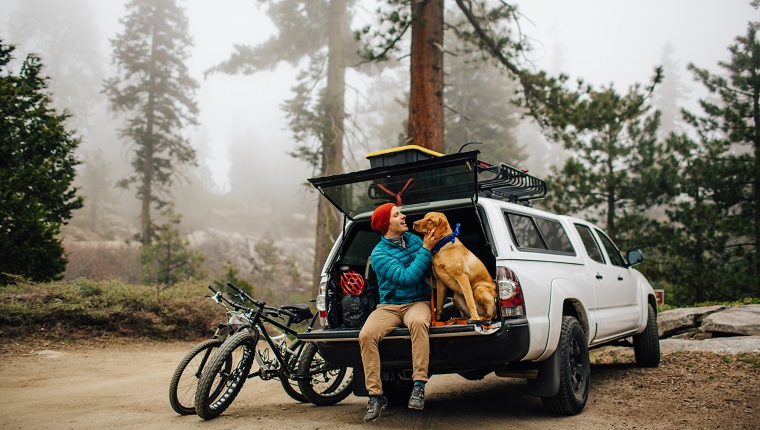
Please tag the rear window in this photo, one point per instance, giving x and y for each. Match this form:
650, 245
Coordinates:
538, 234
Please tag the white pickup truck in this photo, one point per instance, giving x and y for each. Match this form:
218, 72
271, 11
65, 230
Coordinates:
563, 286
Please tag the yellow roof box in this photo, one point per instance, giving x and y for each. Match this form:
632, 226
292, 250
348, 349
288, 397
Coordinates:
400, 155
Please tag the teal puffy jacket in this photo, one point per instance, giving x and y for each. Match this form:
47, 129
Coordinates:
401, 273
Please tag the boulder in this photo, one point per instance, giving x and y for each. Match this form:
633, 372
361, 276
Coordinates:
680, 320
719, 345
740, 320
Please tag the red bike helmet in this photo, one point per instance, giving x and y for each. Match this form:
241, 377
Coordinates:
351, 282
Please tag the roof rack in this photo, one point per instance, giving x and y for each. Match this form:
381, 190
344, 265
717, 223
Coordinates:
504, 182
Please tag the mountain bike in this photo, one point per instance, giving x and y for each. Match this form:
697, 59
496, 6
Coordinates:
296, 363
184, 381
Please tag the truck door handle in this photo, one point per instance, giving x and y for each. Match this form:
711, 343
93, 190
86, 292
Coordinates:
620, 278
599, 276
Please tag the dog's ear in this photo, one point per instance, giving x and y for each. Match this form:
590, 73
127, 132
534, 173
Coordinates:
440, 230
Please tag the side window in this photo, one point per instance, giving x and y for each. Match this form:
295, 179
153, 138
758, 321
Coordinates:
592, 249
615, 258
525, 232
554, 235
537, 234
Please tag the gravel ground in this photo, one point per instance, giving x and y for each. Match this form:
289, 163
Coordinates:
123, 384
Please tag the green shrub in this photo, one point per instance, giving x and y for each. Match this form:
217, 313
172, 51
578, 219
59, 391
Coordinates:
90, 308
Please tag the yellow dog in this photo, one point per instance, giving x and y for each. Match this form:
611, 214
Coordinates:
460, 270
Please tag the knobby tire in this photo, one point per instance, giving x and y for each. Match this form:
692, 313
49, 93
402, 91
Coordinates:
229, 367
184, 382
575, 370
646, 345
323, 384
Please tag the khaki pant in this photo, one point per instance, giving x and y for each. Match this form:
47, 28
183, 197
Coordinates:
415, 316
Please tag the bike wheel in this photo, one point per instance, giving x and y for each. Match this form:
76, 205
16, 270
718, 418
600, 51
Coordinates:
184, 382
229, 367
323, 384
291, 386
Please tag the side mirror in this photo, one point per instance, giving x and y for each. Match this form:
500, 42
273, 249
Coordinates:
634, 257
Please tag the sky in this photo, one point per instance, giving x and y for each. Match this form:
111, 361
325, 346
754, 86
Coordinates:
621, 41
603, 42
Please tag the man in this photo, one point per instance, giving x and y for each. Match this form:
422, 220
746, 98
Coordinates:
401, 262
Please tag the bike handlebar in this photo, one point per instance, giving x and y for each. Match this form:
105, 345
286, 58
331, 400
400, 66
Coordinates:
219, 296
261, 305
246, 295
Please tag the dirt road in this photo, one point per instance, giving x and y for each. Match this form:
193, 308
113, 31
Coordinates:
124, 385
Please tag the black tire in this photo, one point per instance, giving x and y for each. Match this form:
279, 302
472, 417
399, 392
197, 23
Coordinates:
646, 345
229, 367
575, 370
291, 386
323, 384
184, 382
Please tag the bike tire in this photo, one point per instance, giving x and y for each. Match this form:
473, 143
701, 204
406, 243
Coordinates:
184, 382
229, 367
291, 386
324, 384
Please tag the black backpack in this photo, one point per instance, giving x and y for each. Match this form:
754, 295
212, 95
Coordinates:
355, 308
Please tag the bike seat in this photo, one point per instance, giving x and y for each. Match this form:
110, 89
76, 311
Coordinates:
302, 312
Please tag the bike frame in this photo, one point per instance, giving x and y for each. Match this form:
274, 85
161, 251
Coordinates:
260, 314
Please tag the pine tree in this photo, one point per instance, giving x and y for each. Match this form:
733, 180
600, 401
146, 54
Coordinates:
168, 259
36, 173
482, 112
613, 140
693, 240
487, 28
735, 171
156, 93
97, 186
670, 93
317, 30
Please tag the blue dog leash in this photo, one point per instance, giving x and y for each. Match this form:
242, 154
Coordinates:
445, 240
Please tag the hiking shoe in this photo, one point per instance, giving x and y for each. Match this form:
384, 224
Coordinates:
375, 405
417, 399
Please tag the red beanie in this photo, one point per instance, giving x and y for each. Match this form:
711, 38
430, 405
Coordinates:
381, 217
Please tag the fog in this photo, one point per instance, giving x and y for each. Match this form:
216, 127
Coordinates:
606, 43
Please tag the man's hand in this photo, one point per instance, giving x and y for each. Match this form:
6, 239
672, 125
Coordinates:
429, 241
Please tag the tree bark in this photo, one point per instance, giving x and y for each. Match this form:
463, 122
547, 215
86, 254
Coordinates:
756, 184
328, 218
426, 71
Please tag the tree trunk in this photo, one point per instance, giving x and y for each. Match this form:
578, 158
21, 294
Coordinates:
699, 249
328, 218
426, 71
756, 143
147, 185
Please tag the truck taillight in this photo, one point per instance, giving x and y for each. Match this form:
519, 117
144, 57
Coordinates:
510, 293
322, 303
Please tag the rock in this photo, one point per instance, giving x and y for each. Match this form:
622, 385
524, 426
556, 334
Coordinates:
681, 320
720, 345
739, 320
693, 334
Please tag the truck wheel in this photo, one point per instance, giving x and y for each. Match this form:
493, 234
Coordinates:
646, 345
575, 370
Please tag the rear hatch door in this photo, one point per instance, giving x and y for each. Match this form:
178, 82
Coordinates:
447, 178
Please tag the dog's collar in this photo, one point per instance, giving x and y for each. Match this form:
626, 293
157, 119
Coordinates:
445, 240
